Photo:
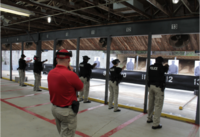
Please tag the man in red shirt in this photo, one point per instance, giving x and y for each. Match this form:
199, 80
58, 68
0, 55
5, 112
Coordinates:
63, 84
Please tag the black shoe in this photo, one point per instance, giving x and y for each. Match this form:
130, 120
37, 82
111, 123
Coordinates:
39, 90
111, 108
87, 101
24, 85
157, 127
80, 100
118, 110
150, 121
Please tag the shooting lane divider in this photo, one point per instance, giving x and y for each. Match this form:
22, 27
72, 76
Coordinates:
110, 133
194, 131
181, 107
26, 95
39, 116
139, 109
37, 105
12, 90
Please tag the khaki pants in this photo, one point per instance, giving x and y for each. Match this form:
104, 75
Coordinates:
21, 77
156, 98
66, 121
114, 92
86, 89
37, 81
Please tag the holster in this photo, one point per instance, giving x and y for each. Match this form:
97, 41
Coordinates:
163, 87
88, 78
75, 106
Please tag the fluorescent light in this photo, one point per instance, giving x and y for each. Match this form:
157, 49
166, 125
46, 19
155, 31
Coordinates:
49, 19
175, 1
15, 10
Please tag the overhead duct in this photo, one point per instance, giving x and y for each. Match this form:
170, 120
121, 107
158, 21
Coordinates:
134, 3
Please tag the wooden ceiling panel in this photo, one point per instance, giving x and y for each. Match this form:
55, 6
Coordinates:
132, 43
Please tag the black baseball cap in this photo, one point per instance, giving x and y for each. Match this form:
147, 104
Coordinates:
23, 55
86, 58
35, 57
159, 59
116, 61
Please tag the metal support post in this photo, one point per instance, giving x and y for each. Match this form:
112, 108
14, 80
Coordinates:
137, 62
54, 50
22, 47
77, 56
107, 69
1, 61
39, 45
197, 120
10, 61
147, 71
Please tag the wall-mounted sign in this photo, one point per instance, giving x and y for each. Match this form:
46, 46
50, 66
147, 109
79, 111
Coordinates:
174, 26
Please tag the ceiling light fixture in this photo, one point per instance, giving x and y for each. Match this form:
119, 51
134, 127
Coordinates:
175, 1
49, 19
15, 10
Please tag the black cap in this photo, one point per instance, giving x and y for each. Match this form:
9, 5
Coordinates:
116, 61
86, 58
159, 59
35, 57
23, 55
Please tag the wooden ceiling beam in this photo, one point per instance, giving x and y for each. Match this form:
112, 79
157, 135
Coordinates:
177, 9
187, 5
19, 18
160, 7
35, 25
88, 11
132, 15
42, 13
51, 8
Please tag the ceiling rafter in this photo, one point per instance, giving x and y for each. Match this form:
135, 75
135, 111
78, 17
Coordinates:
89, 11
38, 11
59, 10
19, 18
160, 7
187, 5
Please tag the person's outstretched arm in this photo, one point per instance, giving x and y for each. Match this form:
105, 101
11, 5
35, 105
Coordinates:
44, 61
28, 61
123, 67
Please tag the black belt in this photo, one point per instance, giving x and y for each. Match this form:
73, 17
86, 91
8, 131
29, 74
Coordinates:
62, 107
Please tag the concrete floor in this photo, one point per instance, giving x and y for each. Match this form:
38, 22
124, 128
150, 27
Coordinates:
25, 113
133, 95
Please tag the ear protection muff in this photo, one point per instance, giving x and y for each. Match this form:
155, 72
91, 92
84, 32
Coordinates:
66, 54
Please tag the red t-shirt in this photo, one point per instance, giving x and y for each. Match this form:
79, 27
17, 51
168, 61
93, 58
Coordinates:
63, 85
